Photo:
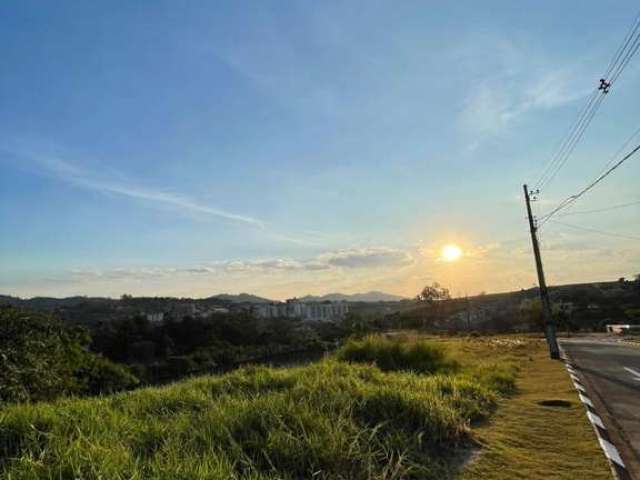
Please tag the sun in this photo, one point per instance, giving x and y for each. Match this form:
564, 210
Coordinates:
450, 253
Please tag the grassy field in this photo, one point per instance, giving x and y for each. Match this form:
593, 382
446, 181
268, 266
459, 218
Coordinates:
342, 418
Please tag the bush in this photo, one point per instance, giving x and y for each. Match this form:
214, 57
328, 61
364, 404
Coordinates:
99, 376
397, 354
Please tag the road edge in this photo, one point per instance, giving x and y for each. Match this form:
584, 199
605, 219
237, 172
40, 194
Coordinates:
616, 463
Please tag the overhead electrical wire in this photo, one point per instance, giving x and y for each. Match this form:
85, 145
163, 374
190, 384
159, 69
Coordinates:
622, 148
573, 140
618, 63
598, 210
569, 142
627, 39
569, 200
633, 43
594, 230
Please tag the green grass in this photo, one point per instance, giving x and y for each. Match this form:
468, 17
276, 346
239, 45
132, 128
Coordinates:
332, 419
369, 415
390, 354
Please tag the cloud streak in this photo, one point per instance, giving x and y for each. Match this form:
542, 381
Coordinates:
115, 183
74, 175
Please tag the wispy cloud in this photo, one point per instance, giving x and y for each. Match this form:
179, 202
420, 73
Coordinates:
110, 182
494, 105
367, 257
77, 176
518, 83
353, 258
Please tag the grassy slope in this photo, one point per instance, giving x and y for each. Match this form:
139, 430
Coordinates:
328, 420
526, 440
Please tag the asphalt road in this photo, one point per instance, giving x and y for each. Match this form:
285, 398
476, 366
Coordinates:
612, 374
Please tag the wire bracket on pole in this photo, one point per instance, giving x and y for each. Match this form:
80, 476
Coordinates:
533, 195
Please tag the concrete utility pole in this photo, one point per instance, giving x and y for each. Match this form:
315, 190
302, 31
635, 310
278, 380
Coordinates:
549, 323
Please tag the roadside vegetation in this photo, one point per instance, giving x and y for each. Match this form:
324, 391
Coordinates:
539, 433
332, 419
382, 407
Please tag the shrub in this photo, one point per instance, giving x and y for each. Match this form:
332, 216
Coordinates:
397, 354
97, 376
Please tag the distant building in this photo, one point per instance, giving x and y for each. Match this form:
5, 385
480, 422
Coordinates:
314, 311
181, 310
157, 317
218, 310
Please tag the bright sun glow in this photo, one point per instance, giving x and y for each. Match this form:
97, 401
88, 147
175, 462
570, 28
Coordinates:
451, 253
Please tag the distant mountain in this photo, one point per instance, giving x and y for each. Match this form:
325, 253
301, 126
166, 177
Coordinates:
51, 303
241, 298
372, 296
9, 300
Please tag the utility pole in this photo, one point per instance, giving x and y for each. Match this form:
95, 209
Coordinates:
468, 313
549, 323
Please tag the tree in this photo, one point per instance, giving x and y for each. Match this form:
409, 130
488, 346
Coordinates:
433, 293
42, 358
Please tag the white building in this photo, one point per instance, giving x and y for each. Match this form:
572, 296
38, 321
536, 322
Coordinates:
156, 317
315, 311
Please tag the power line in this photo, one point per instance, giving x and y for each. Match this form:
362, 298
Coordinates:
630, 33
576, 130
621, 58
622, 148
570, 146
631, 51
594, 230
569, 200
597, 210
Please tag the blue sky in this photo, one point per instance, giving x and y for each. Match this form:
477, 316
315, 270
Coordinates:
285, 148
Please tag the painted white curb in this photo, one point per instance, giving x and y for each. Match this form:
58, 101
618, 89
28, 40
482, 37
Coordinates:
596, 420
586, 400
611, 452
580, 388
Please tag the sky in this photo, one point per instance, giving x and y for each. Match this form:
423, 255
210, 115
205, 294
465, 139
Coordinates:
286, 148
